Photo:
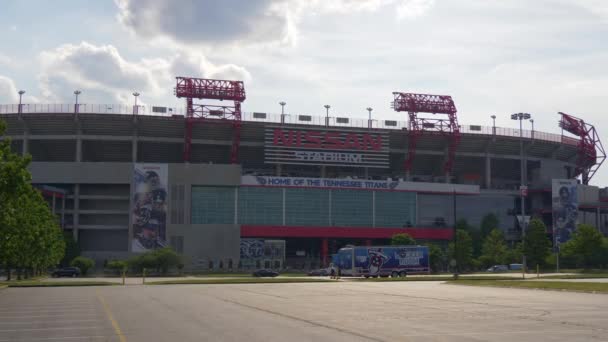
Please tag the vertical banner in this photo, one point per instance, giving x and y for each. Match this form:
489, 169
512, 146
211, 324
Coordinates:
149, 207
565, 209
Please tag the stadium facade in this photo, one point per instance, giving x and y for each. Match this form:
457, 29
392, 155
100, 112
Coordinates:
297, 188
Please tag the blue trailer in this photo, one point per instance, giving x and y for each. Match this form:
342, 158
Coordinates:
382, 261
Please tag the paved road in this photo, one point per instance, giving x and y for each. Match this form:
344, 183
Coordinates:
341, 311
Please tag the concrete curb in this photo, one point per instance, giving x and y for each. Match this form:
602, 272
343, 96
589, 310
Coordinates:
530, 288
2, 287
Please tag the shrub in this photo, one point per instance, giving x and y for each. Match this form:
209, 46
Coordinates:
118, 266
84, 264
160, 260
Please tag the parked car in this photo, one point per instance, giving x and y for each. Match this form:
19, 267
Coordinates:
319, 272
265, 273
498, 268
66, 272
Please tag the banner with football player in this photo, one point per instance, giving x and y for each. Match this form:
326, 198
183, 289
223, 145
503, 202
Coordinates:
149, 207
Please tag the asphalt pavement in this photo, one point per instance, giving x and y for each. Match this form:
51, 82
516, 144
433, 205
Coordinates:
338, 311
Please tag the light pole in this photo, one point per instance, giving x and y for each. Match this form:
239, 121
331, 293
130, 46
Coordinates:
532, 122
327, 115
135, 94
76, 93
493, 124
21, 92
369, 121
521, 117
282, 103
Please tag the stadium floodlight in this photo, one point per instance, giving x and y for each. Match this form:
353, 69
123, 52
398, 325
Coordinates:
136, 95
369, 120
522, 188
282, 103
21, 92
493, 124
76, 93
327, 114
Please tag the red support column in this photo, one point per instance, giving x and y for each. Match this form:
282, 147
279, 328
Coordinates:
324, 251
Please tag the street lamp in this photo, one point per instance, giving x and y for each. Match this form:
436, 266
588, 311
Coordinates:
282, 103
135, 94
76, 93
327, 114
522, 188
21, 92
369, 121
493, 124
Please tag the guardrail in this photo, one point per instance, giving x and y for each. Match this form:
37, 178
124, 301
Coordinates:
300, 119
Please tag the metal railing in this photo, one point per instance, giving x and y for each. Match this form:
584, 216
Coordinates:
300, 119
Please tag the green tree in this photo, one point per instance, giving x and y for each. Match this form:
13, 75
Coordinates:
586, 248
85, 264
118, 266
402, 239
475, 235
436, 257
166, 259
537, 245
494, 250
462, 250
488, 224
30, 238
72, 250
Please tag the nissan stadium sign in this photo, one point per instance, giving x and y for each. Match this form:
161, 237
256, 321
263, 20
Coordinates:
331, 147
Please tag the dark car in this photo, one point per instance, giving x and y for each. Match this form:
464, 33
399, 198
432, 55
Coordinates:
265, 273
319, 272
66, 272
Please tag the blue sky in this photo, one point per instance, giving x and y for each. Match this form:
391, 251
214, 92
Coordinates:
492, 56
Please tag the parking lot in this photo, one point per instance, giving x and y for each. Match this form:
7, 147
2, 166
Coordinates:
342, 311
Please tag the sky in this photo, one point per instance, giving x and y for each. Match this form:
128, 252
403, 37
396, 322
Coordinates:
494, 57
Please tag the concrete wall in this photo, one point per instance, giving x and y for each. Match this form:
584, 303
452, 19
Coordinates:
204, 243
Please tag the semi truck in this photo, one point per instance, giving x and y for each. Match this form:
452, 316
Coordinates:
382, 261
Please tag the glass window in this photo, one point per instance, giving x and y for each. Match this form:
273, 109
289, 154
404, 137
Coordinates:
261, 206
395, 209
212, 205
351, 208
306, 207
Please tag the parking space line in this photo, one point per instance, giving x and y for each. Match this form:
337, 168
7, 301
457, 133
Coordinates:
61, 338
43, 329
53, 322
115, 325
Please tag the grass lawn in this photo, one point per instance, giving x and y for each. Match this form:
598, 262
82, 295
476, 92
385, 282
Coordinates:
242, 275
436, 278
577, 276
544, 285
248, 280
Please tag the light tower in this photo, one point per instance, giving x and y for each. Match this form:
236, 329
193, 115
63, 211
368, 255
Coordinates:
591, 153
76, 93
432, 104
135, 95
19, 109
282, 103
208, 89
327, 115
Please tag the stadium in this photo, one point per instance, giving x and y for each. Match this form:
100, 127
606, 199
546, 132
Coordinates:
232, 189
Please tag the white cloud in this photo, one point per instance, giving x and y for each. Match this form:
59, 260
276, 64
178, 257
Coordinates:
207, 21
237, 21
413, 8
8, 90
104, 75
